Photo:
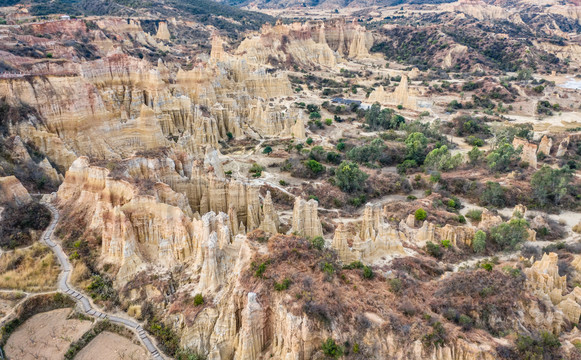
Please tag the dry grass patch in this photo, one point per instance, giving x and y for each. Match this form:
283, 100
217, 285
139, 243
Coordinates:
32, 269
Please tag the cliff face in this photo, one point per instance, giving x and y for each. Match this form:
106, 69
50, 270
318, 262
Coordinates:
368, 241
159, 227
315, 43
12, 191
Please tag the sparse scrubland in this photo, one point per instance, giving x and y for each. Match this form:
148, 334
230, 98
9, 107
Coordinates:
266, 180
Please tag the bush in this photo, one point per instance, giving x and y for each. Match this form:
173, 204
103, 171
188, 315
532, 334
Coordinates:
503, 158
16, 223
474, 141
441, 159
315, 167
474, 214
395, 285
328, 122
421, 214
550, 185
318, 243
544, 346
487, 266
446, 244
510, 235
479, 242
267, 150
256, 170
309, 141
283, 285
434, 250
493, 195
416, 145
349, 178
198, 299
367, 272
330, 348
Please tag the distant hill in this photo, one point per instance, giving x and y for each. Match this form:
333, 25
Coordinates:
328, 4
220, 15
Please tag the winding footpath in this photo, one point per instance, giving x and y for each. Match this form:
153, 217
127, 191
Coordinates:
82, 299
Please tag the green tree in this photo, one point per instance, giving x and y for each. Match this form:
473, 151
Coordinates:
479, 242
474, 155
315, 115
348, 177
416, 144
442, 160
510, 235
367, 153
315, 166
330, 348
550, 185
493, 195
267, 150
421, 214
503, 157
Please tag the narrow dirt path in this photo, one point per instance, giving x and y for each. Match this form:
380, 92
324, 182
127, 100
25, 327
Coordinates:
81, 298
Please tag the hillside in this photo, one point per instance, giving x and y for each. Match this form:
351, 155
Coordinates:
207, 12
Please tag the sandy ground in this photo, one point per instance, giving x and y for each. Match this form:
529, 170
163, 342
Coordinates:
111, 346
46, 336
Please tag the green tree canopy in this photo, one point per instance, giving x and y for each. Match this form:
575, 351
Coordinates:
348, 177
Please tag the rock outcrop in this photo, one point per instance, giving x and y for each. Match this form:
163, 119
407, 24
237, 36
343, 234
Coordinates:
306, 218
369, 240
543, 279
12, 192
529, 151
159, 227
400, 96
545, 145
430, 232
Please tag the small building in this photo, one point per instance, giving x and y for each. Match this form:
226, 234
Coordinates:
65, 17
343, 101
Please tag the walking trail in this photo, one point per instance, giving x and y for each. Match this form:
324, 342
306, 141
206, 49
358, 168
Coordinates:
81, 298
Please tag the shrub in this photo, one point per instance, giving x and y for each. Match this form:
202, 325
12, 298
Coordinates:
493, 195
474, 141
328, 122
395, 285
487, 266
267, 150
416, 145
479, 242
283, 285
367, 272
340, 146
198, 299
349, 178
309, 141
446, 243
434, 250
229, 135
330, 348
442, 159
510, 235
282, 182
544, 346
256, 170
550, 185
315, 166
503, 157
461, 219
474, 214
318, 243
474, 155
421, 214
